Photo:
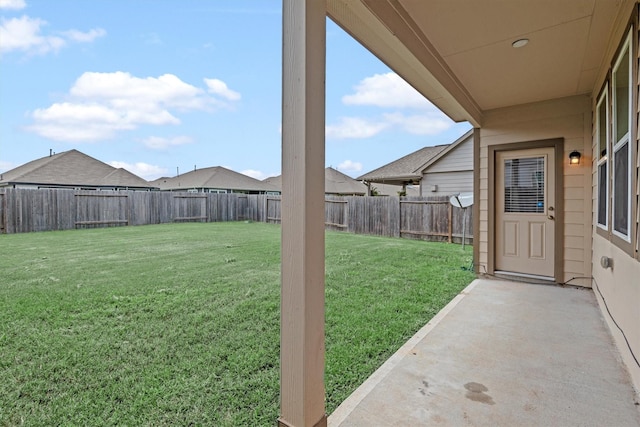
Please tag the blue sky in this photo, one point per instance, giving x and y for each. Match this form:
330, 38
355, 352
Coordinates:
157, 85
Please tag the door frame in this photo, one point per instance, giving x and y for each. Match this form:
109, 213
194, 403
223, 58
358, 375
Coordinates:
558, 145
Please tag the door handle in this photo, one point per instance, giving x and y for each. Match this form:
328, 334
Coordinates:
551, 217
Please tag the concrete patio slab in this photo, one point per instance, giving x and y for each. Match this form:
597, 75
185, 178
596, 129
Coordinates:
502, 354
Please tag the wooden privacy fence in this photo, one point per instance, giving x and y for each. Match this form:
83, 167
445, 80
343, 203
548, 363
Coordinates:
26, 210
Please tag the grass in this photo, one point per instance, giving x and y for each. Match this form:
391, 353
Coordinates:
179, 324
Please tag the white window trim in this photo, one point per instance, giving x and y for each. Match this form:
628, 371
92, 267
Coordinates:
626, 47
604, 98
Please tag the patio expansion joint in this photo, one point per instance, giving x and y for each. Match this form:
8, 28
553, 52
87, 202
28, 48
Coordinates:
351, 403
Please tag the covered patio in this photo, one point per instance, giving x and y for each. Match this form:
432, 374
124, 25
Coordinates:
544, 84
502, 354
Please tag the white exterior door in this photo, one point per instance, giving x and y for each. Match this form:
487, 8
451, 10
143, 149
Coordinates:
525, 212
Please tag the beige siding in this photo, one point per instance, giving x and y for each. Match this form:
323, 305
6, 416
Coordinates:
459, 158
567, 118
446, 183
619, 287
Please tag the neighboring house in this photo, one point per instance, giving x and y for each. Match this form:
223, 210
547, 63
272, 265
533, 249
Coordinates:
335, 184
451, 170
72, 169
214, 180
402, 173
441, 170
552, 94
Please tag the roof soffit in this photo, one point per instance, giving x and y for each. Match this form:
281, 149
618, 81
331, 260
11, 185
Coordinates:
458, 53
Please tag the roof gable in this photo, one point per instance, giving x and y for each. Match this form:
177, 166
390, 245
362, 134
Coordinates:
215, 177
468, 136
406, 168
335, 182
123, 178
72, 168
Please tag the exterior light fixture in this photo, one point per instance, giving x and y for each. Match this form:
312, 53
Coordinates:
520, 43
574, 158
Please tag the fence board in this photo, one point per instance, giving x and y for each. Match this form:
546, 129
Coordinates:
273, 209
336, 213
101, 208
190, 207
2, 221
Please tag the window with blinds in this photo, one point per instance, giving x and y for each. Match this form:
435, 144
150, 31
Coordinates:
524, 185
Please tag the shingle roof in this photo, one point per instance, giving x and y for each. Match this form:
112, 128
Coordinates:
335, 182
215, 177
407, 168
71, 168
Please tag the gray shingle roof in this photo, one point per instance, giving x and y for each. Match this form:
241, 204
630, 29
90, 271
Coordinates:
407, 168
72, 168
215, 177
335, 182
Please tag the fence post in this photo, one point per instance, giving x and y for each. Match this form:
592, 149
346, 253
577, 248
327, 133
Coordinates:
450, 222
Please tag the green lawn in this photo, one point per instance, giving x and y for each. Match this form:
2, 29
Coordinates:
179, 324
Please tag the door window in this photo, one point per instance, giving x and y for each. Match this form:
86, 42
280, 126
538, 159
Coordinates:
524, 185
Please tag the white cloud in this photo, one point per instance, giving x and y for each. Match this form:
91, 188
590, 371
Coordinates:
257, 174
89, 36
350, 166
389, 91
386, 90
355, 128
25, 34
218, 87
421, 124
124, 91
12, 4
100, 105
143, 170
160, 143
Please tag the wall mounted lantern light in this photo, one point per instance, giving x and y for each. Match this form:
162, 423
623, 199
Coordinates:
574, 158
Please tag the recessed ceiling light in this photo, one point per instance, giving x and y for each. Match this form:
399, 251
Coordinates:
520, 42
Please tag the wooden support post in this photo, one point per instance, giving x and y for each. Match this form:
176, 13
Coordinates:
302, 299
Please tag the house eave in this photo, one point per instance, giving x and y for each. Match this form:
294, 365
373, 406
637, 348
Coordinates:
388, 31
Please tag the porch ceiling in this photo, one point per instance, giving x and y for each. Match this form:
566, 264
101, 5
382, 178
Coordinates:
459, 53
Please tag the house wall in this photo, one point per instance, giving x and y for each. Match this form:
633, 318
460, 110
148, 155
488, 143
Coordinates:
459, 158
567, 118
446, 183
452, 173
618, 288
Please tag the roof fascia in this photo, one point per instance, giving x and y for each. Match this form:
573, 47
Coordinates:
387, 30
